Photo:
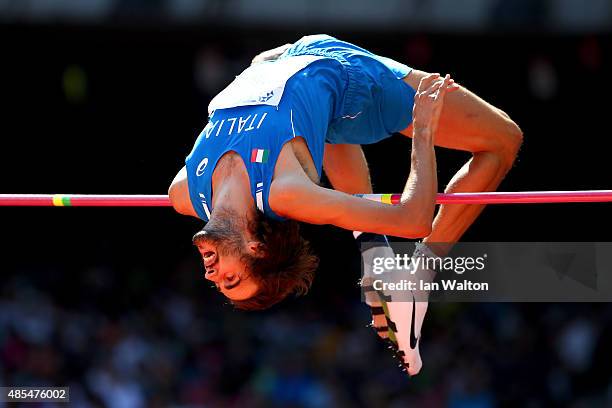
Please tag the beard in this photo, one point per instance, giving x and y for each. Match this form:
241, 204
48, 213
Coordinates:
224, 233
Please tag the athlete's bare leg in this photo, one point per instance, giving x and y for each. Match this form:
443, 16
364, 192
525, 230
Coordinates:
469, 123
466, 123
347, 169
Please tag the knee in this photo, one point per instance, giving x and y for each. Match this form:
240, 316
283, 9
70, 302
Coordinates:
501, 156
510, 141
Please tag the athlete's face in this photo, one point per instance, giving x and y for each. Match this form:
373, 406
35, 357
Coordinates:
225, 253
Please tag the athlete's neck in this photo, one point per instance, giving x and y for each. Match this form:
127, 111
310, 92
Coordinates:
231, 188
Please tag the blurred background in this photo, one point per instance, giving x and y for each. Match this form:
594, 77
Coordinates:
108, 96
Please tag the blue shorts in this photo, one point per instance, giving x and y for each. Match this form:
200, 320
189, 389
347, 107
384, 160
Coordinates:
377, 102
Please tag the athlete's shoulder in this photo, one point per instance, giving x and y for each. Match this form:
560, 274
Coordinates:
178, 193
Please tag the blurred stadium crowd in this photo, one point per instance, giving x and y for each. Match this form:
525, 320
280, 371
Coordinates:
169, 352
410, 14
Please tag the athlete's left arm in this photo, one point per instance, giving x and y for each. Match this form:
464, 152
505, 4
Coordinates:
300, 199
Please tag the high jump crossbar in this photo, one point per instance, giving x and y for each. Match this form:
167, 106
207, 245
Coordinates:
96, 200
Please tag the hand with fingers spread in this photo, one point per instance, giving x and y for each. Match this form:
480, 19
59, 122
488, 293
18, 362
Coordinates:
429, 100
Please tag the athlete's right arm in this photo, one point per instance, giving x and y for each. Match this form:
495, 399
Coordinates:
300, 199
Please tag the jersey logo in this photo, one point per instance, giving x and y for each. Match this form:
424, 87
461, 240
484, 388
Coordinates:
260, 155
202, 167
266, 97
351, 116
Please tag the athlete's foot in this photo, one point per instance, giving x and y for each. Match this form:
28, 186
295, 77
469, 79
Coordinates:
409, 315
397, 320
407, 335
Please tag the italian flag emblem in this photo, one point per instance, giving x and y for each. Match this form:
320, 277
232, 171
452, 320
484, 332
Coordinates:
260, 155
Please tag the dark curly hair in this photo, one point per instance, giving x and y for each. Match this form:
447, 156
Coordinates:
286, 264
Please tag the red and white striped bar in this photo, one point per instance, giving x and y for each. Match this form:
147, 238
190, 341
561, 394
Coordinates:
519, 197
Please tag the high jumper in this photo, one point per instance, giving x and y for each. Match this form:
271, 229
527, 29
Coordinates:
255, 169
